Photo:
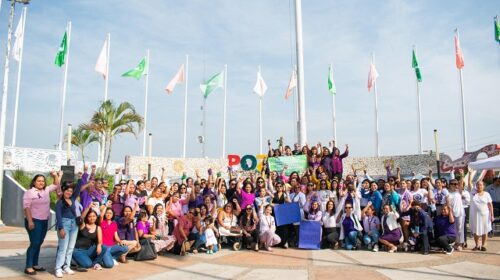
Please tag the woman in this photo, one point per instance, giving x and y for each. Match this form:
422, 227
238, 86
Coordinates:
444, 229
311, 195
89, 251
390, 197
145, 230
457, 209
349, 228
174, 210
263, 199
160, 228
247, 194
325, 194
439, 197
199, 225
315, 213
330, 230
248, 224
182, 232
481, 216
36, 205
268, 236
184, 195
110, 239
391, 233
67, 231
281, 197
228, 222
371, 224
116, 198
337, 167
351, 196
127, 232
130, 197
221, 195
157, 197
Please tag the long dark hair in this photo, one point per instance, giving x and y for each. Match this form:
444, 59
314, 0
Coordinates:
155, 214
333, 209
86, 219
32, 184
66, 185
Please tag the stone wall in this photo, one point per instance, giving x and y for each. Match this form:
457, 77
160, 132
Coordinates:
136, 166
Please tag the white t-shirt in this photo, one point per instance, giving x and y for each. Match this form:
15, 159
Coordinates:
455, 199
420, 195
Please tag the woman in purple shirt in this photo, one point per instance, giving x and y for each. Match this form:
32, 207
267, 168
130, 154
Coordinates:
36, 205
444, 229
337, 168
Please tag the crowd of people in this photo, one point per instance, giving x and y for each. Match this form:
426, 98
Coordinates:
205, 213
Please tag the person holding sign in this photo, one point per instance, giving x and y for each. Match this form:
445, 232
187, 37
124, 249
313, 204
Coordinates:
281, 197
299, 197
268, 236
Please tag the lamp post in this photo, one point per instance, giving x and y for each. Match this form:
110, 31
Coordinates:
3, 113
149, 155
437, 153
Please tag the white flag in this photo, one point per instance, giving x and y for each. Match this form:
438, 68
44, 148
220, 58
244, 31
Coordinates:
260, 86
372, 76
179, 78
292, 84
101, 65
18, 44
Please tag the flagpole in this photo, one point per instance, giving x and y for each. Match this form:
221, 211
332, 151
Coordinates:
204, 127
300, 74
102, 147
260, 119
224, 117
377, 145
333, 113
419, 112
16, 103
464, 127
186, 69
146, 106
65, 84
295, 110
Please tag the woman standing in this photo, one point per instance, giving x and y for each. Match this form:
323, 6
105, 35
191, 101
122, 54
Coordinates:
481, 216
268, 236
36, 205
67, 231
281, 197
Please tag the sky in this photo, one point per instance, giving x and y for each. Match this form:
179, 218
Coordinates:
244, 35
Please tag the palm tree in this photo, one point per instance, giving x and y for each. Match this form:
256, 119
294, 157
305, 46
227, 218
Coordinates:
81, 138
109, 121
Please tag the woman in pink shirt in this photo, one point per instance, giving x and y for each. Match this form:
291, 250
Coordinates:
36, 205
110, 239
174, 210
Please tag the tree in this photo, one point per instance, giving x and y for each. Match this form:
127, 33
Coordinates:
81, 138
110, 121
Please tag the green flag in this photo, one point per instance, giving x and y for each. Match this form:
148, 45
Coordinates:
215, 82
414, 64
497, 30
139, 71
63, 49
331, 84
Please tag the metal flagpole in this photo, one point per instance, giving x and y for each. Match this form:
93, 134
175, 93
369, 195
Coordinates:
65, 84
333, 113
377, 145
260, 117
4, 102
146, 106
419, 112
204, 140
102, 147
16, 103
224, 117
464, 126
185, 105
300, 74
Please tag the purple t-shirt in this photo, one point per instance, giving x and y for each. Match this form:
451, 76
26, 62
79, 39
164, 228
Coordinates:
348, 225
442, 226
246, 199
144, 226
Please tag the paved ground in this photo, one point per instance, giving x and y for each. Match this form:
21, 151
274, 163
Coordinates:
280, 264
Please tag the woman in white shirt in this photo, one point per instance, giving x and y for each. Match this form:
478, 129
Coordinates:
268, 236
330, 230
481, 216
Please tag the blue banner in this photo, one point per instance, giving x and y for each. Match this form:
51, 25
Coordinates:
310, 235
287, 213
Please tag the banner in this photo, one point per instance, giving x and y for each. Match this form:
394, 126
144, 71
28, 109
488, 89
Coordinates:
287, 213
310, 235
293, 163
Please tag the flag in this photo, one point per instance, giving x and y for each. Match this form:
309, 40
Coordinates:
213, 83
459, 59
497, 30
18, 44
372, 76
331, 84
260, 86
292, 84
101, 65
138, 71
179, 78
63, 49
414, 65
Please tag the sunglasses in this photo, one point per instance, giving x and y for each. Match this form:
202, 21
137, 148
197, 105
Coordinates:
123, 183
249, 209
348, 208
183, 188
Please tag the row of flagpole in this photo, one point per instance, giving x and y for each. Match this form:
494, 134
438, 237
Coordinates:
102, 66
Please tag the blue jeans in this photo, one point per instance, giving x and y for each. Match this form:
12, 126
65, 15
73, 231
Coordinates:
113, 252
65, 246
88, 257
37, 236
350, 240
371, 238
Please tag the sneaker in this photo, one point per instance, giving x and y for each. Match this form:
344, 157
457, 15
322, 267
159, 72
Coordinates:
115, 263
236, 246
286, 245
256, 247
68, 271
97, 266
375, 248
59, 273
406, 246
458, 248
369, 246
208, 252
450, 250
393, 249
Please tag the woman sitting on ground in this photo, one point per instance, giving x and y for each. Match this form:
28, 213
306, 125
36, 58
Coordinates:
144, 231
268, 236
110, 239
228, 225
371, 224
391, 232
349, 228
182, 233
126, 230
444, 229
159, 228
248, 224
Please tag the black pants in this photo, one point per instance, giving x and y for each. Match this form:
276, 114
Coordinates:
423, 242
444, 241
330, 237
253, 238
282, 232
293, 237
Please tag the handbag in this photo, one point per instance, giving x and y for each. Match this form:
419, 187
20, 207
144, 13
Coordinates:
147, 251
235, 230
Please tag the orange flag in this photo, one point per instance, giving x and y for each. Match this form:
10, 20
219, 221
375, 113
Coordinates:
459, 59
179, 78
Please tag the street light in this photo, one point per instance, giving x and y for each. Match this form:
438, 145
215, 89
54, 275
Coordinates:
3, 113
